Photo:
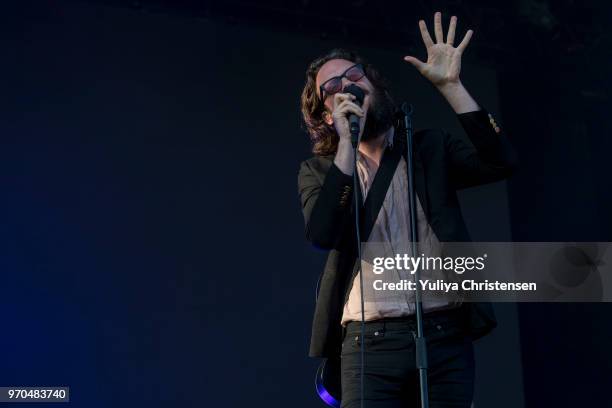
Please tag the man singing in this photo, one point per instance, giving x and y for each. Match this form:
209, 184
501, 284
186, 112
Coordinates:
443, 164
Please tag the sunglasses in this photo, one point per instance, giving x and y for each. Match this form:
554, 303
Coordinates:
334, 85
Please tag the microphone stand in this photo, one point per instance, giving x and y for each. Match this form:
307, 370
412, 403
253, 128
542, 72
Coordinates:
419, 339
354, 128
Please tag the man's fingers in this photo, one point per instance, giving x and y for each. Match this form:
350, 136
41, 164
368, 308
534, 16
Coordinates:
450, 37
425, 34
341, 97
348, 107
344, 103
466, 41
438, 28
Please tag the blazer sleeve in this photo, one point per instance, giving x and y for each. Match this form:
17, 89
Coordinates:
326, 206
491, 158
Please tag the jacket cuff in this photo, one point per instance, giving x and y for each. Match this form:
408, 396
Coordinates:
481, 128
339, 185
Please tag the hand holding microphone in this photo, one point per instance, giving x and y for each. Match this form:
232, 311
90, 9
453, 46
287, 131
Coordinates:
347, 112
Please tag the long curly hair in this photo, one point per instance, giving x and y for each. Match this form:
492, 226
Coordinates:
323, 136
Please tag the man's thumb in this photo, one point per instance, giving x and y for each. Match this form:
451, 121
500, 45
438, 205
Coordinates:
418, 64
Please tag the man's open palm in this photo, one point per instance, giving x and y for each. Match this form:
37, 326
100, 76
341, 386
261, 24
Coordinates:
443, 59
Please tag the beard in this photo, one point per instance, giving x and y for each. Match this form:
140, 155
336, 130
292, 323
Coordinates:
380, 115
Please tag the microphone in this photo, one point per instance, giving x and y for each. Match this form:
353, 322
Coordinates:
357, 92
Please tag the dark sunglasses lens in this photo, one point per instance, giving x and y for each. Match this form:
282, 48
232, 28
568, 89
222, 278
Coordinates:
355, 74
333, 86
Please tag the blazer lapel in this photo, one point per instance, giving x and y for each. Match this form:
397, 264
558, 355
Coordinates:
378, 191
381, 183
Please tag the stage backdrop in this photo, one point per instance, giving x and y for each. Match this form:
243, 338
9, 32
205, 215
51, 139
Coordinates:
153, 251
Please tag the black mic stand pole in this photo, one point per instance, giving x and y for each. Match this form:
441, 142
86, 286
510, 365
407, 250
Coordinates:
419, 339
354, 128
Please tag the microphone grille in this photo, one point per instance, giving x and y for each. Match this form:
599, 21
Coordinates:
356, 91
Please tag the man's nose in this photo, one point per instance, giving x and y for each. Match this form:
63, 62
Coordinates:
345, 82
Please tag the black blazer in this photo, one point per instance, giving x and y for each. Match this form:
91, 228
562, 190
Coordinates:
443, 163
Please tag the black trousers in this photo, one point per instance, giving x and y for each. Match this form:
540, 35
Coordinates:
391, 379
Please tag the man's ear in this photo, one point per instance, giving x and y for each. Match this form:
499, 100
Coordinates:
327, 117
